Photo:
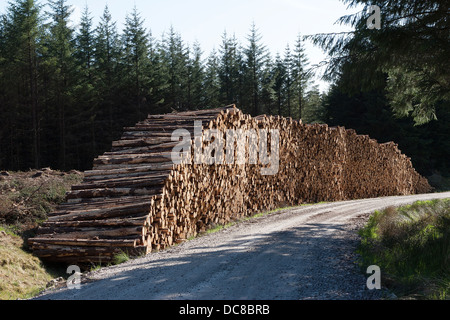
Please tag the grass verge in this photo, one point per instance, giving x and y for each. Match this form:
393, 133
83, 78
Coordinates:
25, 200
411, 245
22, 275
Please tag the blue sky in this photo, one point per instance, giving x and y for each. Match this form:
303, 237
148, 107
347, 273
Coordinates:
279, 21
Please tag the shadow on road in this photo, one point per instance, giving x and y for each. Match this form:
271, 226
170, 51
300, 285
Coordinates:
314, 261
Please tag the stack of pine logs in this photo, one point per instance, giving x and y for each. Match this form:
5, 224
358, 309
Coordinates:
136, 199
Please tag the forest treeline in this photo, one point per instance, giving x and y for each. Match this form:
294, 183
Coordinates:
67, 92
393, 83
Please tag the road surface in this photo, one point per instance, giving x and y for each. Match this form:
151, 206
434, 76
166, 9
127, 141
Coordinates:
302, 253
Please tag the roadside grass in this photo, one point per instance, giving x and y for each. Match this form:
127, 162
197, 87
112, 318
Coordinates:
25, 200
120, 258
22, 275
219, 228
411, 245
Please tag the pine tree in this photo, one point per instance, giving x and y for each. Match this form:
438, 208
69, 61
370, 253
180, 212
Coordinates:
300, 74
3, 126
290, 80
85, 44
85, 91
107, 58
20, 55
107, 46
158, 78
195, 78
411, 49
230, 70
136, 61
279, 74
256, 59
61, 53
313, 111
267, 98
175, 60
3, 22
212, 81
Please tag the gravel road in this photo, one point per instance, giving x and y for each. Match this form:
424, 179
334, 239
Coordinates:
302, 253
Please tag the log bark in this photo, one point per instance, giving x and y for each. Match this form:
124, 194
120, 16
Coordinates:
114, 212
85, 242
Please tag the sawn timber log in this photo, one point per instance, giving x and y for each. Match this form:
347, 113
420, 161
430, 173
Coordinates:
135, 199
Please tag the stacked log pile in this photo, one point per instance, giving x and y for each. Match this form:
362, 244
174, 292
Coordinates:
137, 200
